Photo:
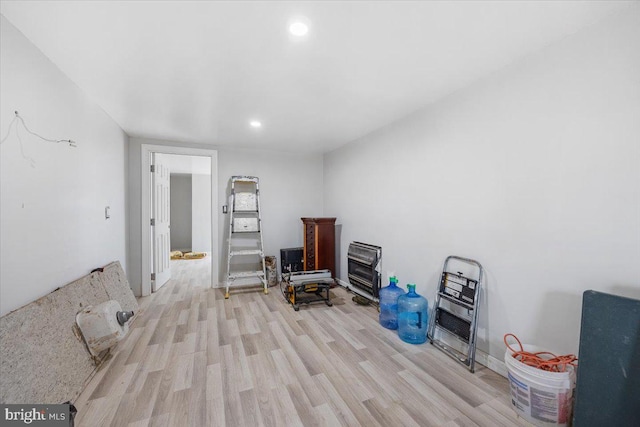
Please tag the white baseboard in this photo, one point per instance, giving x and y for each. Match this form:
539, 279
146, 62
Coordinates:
356, 290
342, 283
496, 365
485, 359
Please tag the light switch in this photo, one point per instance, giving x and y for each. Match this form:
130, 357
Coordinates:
107, 212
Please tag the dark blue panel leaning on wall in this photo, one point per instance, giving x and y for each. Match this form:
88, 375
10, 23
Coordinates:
608, 381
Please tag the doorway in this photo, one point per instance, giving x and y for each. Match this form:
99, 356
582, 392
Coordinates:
190, 205
153, 254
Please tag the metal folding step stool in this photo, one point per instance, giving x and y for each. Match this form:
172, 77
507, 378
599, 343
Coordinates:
455, 312
245, 221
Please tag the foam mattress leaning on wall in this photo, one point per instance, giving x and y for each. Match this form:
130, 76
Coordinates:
43, 357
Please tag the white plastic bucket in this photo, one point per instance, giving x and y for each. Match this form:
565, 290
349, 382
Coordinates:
541, 397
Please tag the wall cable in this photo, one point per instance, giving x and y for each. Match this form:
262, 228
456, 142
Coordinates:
18, 119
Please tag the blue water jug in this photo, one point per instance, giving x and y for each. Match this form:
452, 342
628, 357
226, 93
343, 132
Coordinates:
413, 316
389, 304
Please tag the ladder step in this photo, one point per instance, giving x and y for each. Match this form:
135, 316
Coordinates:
457, 302
246, 252
241, 274
245, 202
244, 179
245, 225
453, 323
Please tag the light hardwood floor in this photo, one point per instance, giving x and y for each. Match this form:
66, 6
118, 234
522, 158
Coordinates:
193, 358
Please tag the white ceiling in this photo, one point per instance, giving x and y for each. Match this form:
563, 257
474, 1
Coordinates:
199, 71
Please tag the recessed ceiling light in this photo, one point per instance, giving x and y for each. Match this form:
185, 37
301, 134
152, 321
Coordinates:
255, 124
298, 28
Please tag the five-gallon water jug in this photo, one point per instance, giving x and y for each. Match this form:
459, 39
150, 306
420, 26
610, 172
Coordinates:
389, 304
413, 316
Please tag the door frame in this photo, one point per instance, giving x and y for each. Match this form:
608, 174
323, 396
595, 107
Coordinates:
145, 217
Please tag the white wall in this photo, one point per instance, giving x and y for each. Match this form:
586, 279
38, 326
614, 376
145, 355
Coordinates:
181, 212
533, 171
53, 227
290, 188
201, 213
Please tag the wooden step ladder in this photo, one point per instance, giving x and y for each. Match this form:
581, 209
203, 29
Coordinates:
245, 221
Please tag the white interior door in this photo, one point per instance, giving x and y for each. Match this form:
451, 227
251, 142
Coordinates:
161, 215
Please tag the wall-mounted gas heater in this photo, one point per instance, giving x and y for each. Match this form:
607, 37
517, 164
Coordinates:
364, 262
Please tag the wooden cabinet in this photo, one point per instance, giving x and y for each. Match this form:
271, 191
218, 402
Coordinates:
319, 244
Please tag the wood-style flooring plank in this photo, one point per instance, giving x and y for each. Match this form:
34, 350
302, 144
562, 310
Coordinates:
387, 416
214, 395
250, 408
325, 416
262, 371
338, 405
